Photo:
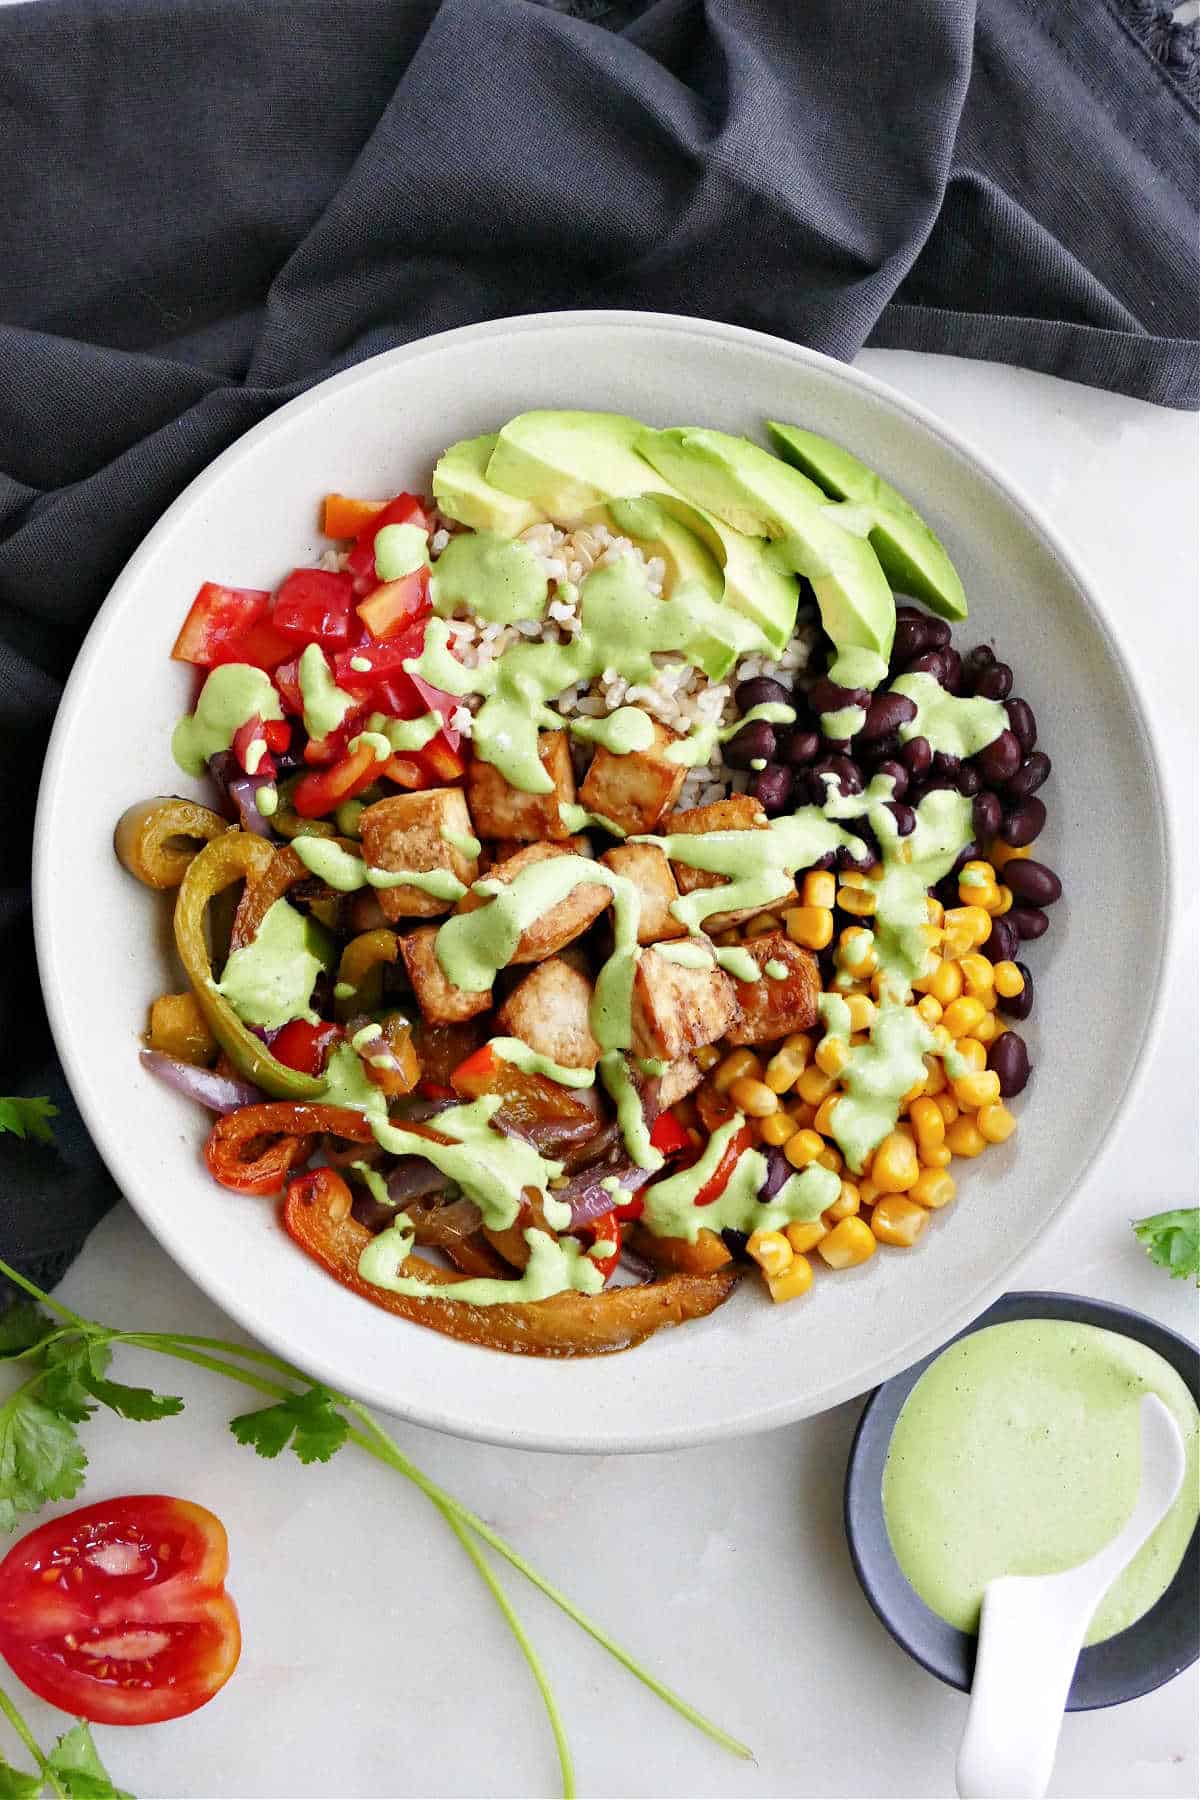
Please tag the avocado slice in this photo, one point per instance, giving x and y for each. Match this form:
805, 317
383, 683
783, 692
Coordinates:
463, 492
570, 464
759, 495
910, 554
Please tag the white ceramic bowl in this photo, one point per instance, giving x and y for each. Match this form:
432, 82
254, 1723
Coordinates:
104, 941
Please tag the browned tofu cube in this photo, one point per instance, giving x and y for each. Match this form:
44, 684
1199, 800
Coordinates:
441, 1003
579, 844
773, 1007
738, 813
648, 869
634, 791
551, 1012
678, 1009
680, 1079
566, 920
502, 811
409, 831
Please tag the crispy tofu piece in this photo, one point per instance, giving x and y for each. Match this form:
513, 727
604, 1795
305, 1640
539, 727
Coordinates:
647, 867
502, 811
406, 831
677, 1009
550, 1011
634, 791
440, 1001
738, 813
681, 1078
770, 1009
579, 844
566, 920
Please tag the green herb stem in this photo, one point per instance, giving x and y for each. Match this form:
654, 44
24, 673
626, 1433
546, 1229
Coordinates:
30, 1742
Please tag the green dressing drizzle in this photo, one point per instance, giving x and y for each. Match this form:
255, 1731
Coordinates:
532, 1062
960, 727
325, 703
269, 981
230, 697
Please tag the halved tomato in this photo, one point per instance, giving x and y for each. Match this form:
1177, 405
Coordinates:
118, 1612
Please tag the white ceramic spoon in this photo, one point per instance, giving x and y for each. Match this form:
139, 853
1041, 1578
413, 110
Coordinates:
1031, 1630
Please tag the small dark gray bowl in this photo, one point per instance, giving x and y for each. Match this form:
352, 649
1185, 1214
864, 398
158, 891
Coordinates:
1156, 1647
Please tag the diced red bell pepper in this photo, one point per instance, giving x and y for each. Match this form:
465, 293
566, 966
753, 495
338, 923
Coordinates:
385, 659
287, 685
405, 509
320, 752
275, 734
435, 1090
218, 617
395, 605
607, 1230
406, 772
316, 606
669, 1135
305, 1047
443, 763
633, 1209
344, 517
323, 791
718, 1181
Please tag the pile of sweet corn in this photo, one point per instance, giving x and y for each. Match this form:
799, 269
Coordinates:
790, 1098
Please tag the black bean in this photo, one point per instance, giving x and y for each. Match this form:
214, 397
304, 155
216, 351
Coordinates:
1003, 944
847, 859
946, 890
916, 755
910, 640
754, 740
761, 691
1030, 922
825, 696
772, 788
944, 763
897, 775
824, 862
1019, 1006
953, 677
967, 854
934, 784
905, 817
938, 633
999, 761
977, 660
735, 1241
885, 714
986, 815
995, 683
1009, 1059
847, 771
803, 747
836, 746
1020, 717
932, 663
906, 610
1029, 777
1032, 882
885, 749
969, 781
1024, 822
778, 1170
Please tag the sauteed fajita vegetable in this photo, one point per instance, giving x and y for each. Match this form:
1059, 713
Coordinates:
606, 886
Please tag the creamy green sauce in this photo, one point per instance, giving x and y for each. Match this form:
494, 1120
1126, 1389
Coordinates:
405, 734
532, 1062
375, 742
759, 864
374, 1183
697, 747
325, 703
269, 981
854, 667
578, 818
229, 699
738, 962
400, 550
1019, 1453
877, 1075
774, 970
465, 842
497, 578
623, 732
688, 955
960, 727
267, 800
622, 1091
671, 1209
844, 723
555, 1266
347, 873
491, 1169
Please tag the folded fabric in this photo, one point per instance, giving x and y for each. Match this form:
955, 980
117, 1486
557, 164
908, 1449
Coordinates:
212, 204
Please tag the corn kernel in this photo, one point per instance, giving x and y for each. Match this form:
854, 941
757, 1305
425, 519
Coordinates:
850, 1242
988, 1029
799, 1044
814, 1085
860, 903
803, 1115
706, 1057
819, 888
803, 1147
929, 1126
976, 874
973, 921
1001, 853
809, 926
972, 1053
806, 1234
945, 983
964, 1137
981, 1088
897, 1220
936, 1159
962, 1016
935, 912
763, 925
823, 1117
914, 1093
1005, 901
733, 1067
783, 1070
930, 1008
831, 1055
1008, 979
753, 1097
934, 1189
976, 972
831, 1159
845, 1206
777, 1129
770, 1250
795, 1281
947, 1105
894, 1166
862, 1012
995, 1122
868, 1193
854, 878
935, 1077
856, 951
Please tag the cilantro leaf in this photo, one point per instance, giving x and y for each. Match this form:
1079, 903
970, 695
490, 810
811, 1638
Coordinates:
76, 1762
74, 1381
27, 1118
134, 1402
15, 1784
1172, 1240
310, 1422
41, 1457
23, 1326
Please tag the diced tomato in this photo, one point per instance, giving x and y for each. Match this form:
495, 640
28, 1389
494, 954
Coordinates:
396, 605
320, 752
669, 1135
343, 517
217, 617
604, 1230
270, 735
316, 606
405, 509
305, 1047
385, 659
287, 685
718, 1181
118, 1612
262, 647
323, 792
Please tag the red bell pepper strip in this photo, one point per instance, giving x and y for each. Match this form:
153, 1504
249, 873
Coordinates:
323, 791
395, 605
316, 606
405, 509
344, 517
270, 735
217, 618
254, 1149
669, 1135
718, 1181
305, 1047
605, 1230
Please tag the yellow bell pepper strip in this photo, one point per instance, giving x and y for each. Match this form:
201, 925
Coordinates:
157, 839
235, 856
178, 1028
361, 969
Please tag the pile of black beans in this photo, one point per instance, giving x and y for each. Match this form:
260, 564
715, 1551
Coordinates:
787, 766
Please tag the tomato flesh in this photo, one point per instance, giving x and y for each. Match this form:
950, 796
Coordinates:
118, 1612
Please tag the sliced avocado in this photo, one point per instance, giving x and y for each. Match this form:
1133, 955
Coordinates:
463, 492
758, 581
759, 495
657, 533
910, 554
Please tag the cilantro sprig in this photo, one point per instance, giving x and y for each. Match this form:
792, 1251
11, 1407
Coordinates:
27, 1118
72, 1770
42, 1459
1172, 1240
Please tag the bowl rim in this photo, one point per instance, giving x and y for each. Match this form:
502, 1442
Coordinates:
1159, 1645
422, 1409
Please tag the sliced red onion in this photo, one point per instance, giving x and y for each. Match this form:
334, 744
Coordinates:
220, 1093
242, 791
589, 1200
640, 1267
223, 768
411, 1178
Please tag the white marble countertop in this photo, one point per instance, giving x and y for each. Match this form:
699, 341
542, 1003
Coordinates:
374, 1662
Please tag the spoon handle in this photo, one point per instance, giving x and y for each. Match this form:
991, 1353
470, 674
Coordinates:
1023, 1668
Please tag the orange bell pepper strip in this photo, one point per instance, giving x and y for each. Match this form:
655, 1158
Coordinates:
254, 1149
343, 517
